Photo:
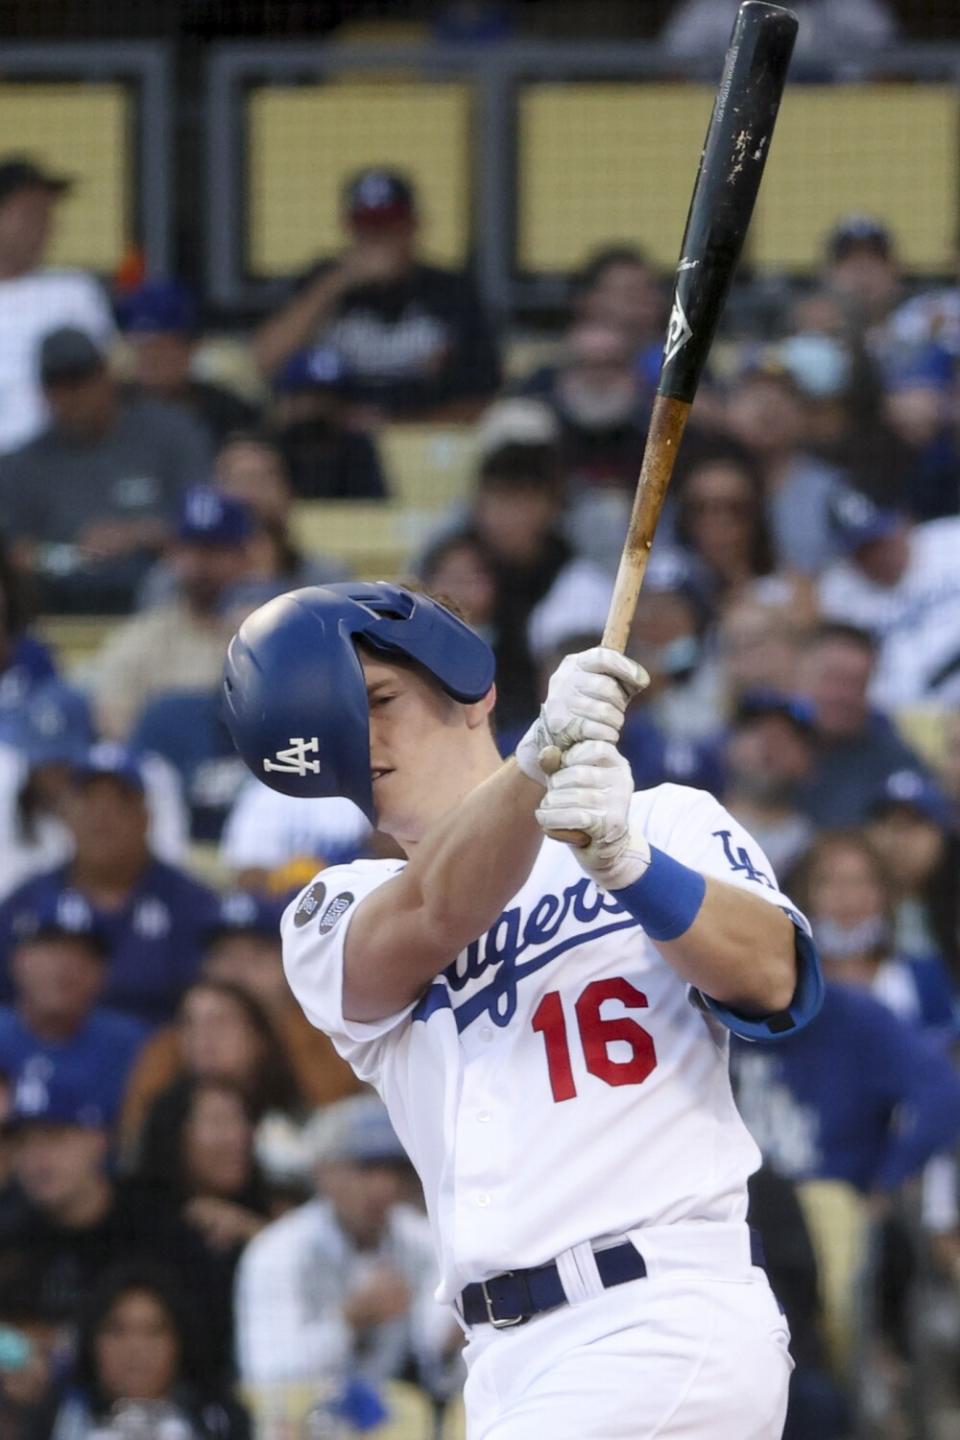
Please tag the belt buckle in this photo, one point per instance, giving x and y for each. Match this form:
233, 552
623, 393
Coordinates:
511, 1320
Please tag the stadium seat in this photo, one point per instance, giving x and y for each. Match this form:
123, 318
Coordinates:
374, 538
839, 1227
282, 1409
429, 466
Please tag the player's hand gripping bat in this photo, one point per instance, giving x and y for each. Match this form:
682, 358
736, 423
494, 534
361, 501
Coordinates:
734, 154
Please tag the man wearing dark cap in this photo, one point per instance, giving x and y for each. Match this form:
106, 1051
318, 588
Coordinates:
34, 299
901, 584
154, 915
58, 965
769, 753
90, 498
413, 336
862, 268
160, 324
179, 646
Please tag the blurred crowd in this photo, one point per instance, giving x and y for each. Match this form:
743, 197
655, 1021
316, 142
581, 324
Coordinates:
197, 1200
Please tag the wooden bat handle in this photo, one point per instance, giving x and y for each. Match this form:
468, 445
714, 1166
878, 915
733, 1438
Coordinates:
667, 423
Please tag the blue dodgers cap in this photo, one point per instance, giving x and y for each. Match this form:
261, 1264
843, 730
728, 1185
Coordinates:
44, 1095
356, 1130
764, 700
319, 368
66, 914
857, 520
54, 726
240, 912
912, 790
859, 231
158, 307
208, 517
107, 758
294, 694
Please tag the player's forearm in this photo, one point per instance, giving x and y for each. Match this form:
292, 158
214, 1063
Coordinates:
739, 950
461, 876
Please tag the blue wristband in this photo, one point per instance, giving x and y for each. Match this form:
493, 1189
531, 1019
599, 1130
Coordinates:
667, 897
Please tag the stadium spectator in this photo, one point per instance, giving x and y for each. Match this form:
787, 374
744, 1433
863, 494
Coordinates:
180, 645
221, 1032
141, 1367
251, 468
618, 286
831, 32
862, 1096
89, 500
595, 395
184, 729
153, 914
759, 645
414, 337
720, 518
34, 298
516, 515
862, 268
58, 965
160, 323
54, 730
900, 583
909, 823
76, 1219
326, 456
459, 568
919, 408
930, 318
198, 1154
856, 745
267, 833
848, 893
670, 636
948, 768
768, 754
243, 952
25, 661
766, 412
343, 1286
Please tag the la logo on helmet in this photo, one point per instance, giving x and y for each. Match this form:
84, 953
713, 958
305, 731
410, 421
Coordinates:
293, 760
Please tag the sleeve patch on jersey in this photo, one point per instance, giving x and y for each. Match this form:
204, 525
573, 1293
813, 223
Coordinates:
337, 908
310, 902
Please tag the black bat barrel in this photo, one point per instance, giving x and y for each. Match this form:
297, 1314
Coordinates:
731, 166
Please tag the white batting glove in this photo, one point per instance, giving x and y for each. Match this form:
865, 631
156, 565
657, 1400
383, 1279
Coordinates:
587, 699
591, 793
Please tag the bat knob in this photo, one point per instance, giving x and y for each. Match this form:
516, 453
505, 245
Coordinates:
550, 759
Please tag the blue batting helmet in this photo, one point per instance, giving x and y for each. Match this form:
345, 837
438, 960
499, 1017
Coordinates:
295, 701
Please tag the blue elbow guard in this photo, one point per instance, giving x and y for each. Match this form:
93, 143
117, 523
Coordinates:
667, 897
804, 1007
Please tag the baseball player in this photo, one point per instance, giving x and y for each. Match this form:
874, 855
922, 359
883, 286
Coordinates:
547, 1025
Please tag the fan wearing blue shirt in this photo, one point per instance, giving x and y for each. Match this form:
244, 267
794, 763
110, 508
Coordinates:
153, 915
55, 1025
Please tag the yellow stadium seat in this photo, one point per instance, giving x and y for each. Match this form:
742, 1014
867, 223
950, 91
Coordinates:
373, 537
838, 1221
75, 638
280, 1411
429, 466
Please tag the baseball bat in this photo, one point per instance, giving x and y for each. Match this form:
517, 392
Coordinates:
731, 166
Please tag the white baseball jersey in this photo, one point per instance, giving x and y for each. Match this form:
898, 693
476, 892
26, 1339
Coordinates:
916, 621
556, 1083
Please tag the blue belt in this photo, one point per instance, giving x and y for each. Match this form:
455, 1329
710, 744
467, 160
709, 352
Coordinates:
516, 1296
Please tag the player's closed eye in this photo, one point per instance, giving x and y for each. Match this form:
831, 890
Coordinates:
379, 700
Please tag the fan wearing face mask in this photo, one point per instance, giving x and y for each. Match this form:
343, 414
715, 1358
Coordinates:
847, 892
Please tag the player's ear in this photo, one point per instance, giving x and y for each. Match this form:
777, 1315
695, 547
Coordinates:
479, 712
